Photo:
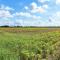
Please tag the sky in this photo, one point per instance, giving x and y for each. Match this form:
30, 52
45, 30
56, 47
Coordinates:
30, 12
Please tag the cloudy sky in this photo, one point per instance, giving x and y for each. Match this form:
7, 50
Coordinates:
30, 12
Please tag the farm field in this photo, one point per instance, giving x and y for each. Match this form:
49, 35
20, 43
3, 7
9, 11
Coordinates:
29, 43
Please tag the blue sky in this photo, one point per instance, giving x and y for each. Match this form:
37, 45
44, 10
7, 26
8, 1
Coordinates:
30, 12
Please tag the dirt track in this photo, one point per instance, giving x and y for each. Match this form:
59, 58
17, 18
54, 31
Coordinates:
19, 30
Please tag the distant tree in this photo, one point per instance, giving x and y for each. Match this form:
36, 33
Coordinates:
5, 26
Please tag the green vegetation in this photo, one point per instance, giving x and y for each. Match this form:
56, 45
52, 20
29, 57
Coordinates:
29, 44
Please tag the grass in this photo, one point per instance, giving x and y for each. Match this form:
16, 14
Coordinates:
29, 43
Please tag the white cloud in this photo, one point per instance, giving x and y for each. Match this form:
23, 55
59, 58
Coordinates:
26, 7
40, 9
26, 14
43, 1
33, 5
45, 6
8, 8
37, 9
56, 16
4, 13
6, 21
36, 17
55, 19
57, 2
3, 7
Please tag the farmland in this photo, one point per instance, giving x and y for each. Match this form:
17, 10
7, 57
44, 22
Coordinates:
29, 43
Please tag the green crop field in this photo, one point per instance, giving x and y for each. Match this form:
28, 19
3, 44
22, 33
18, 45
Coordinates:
29, 43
